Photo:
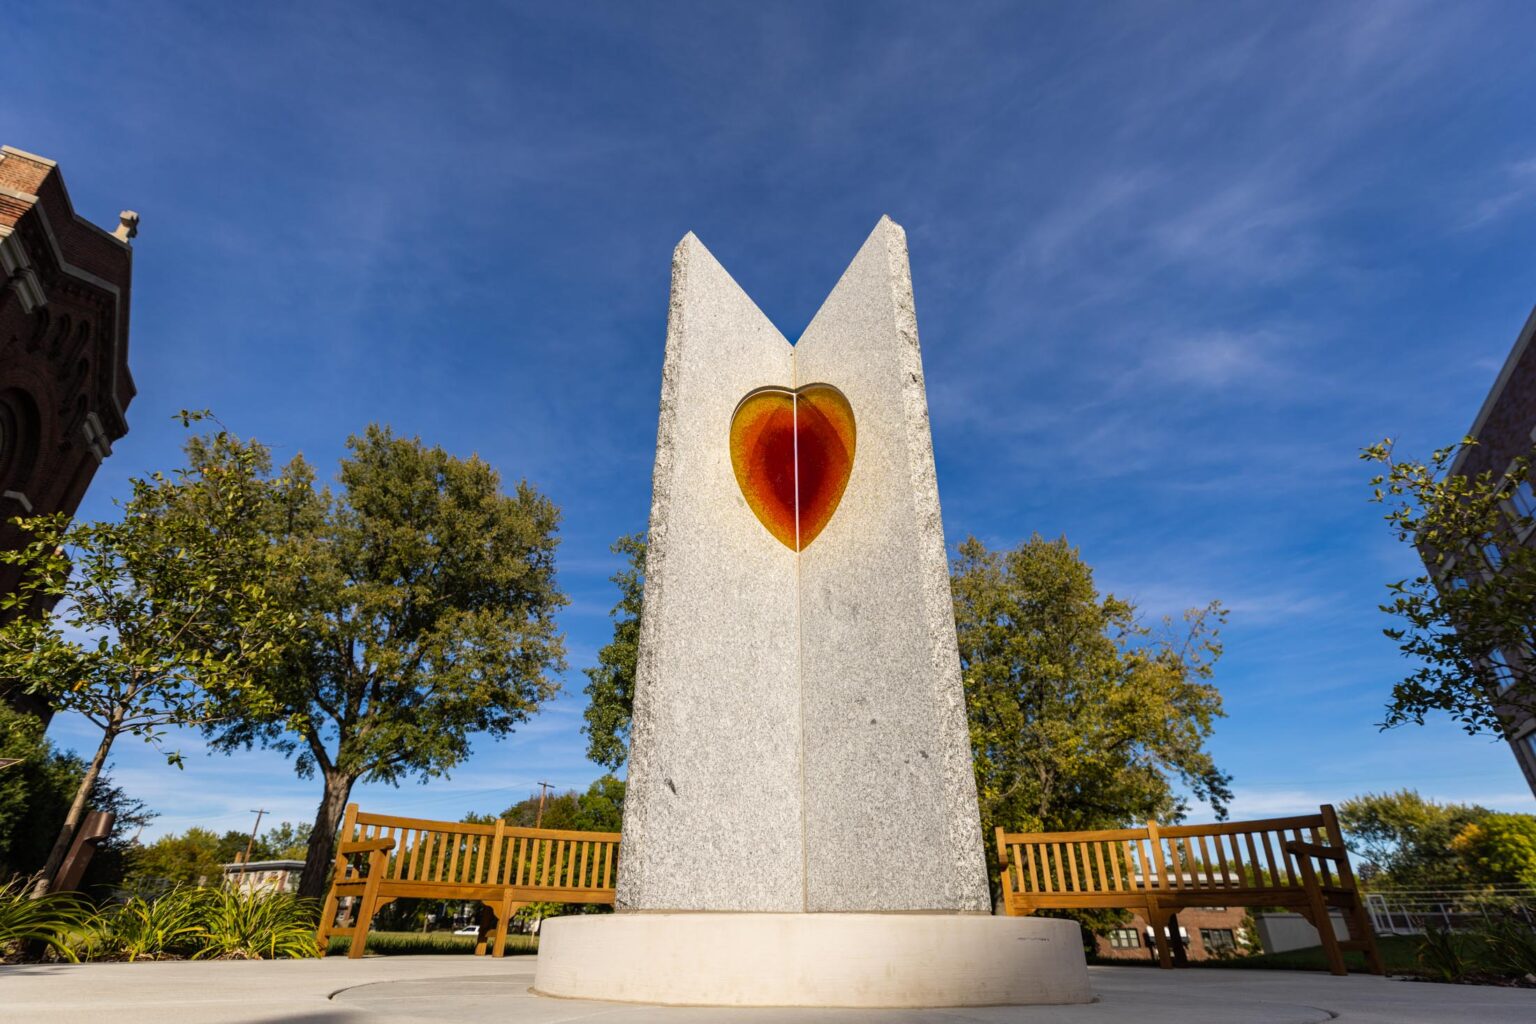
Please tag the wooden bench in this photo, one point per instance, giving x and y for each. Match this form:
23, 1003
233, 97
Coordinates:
1299, 863
381, 858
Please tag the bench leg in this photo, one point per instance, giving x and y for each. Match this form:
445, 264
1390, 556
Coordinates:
1361, 922
488, 927
366, 906
1176, 942
1317, 914
508, 908
1158, 919
327, 921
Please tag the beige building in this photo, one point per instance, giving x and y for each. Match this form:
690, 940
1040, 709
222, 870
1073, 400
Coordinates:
263, 875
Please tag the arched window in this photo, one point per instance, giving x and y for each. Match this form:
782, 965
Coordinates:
19, 428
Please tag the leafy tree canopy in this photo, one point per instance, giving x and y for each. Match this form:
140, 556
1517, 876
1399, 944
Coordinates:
426, 600
1080, 716
35, 796
1468, 623
194, 857
198, 855
611, 683
160, 618
1499, 849
599, 809
1405, 840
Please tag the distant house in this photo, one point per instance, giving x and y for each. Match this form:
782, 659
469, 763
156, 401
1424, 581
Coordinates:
1207, 933
263, 875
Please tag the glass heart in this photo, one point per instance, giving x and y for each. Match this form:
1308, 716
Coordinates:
793, 453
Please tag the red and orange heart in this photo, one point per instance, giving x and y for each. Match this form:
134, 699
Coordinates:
792, 451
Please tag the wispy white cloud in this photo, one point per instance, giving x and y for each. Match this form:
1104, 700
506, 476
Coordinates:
1515, 189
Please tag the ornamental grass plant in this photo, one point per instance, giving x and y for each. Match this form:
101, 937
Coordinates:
167, 927
239, 925
52, 923
183, 923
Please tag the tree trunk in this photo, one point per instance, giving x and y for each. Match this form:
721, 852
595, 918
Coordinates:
320, 857
71, 824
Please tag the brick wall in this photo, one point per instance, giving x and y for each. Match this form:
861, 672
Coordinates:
1201, 924
65, 386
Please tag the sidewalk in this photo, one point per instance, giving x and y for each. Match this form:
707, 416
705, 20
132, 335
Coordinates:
468, 990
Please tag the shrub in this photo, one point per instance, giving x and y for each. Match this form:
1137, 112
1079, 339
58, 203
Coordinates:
258, 926
1439, 956
152, 928
52, 921
1500, 849
1510, 946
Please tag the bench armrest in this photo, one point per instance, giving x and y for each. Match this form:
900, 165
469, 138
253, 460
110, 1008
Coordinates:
365, 846
1332, 853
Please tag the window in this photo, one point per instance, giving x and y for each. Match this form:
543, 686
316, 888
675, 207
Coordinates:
1218, 940
1493, 554
1125, 938
1503, 672
1530, 744
1523, 498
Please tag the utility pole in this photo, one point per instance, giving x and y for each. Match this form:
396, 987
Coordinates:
544, 789
252, 841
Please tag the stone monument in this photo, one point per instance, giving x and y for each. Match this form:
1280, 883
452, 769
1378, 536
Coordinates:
800, 826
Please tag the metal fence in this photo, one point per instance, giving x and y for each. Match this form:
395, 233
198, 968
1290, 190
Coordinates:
1412, 911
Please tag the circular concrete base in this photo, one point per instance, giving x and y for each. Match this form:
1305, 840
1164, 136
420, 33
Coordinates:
895, 960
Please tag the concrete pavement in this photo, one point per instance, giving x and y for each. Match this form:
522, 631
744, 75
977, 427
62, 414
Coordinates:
468, 990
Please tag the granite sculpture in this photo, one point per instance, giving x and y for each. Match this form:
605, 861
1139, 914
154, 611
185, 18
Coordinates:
800, 825
798, 702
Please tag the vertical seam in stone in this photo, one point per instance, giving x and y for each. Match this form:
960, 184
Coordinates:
805, 841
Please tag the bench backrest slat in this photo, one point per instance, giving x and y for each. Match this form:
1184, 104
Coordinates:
1226, 857
461, 853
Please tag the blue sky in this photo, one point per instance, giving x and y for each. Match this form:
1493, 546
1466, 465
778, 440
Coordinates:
1175, 264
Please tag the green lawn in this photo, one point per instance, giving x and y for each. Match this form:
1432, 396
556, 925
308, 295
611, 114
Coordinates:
412, 943
1397, 952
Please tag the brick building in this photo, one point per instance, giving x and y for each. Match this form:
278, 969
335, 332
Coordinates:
1505, 429
1207, 933
64, 380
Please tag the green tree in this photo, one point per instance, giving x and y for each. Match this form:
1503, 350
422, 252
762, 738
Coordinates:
200, 854
559, 811
284, 841
35, 796
611, 683
426, 600
1499, 849
1080, 716
599, 809
194, 857
1468, 623
1405, 840
158, 617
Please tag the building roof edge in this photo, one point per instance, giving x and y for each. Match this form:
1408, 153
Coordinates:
1497, 391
